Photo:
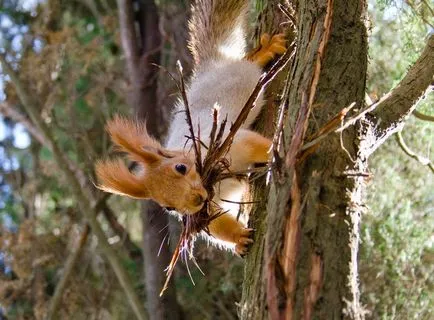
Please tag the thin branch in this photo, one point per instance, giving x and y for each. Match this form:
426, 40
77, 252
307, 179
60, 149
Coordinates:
132, 249
66, 275
91, 5
196, 145
9, 111
398, 96
419, 13
331, 126
422, 116
81, 195
410, 153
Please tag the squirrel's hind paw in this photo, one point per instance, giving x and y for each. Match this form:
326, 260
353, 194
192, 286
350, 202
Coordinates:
268, 49
244, 242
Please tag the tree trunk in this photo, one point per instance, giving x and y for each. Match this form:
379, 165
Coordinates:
303, 270
141, 51
155, 227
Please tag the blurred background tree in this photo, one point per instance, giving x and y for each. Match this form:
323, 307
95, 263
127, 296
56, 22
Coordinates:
70, 61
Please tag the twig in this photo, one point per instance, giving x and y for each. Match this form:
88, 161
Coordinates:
9, 111
423, 116
66, 275
424, 161
244, 173
188, 115
331, 126
239, 202
132, 249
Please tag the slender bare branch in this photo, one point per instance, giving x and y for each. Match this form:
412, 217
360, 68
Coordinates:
423, 160
81, 195
91, 5
66, 275
195, 142
422, 116
9, 111
128, 244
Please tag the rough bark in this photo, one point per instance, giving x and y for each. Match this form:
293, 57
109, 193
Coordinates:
308, 266
316, 214
157, 257
253, 302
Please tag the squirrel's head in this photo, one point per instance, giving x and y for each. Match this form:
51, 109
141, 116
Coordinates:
167, 177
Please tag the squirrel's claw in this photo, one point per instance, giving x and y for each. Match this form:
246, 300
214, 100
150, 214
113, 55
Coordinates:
244, 241
267, 50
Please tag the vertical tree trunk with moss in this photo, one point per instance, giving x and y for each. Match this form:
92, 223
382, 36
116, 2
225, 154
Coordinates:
306, 245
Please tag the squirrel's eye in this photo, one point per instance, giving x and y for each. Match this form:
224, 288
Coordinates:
181, 168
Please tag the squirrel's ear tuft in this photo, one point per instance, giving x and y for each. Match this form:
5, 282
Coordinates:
132, 137
114, 177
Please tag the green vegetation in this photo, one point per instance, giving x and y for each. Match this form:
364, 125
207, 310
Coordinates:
397, 251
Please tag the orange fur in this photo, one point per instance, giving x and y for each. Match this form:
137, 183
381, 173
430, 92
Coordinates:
157, 178
248, 148
268, 49
132, 137
228, 229
116, 178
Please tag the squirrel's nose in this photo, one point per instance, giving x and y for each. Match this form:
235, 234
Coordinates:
199, 199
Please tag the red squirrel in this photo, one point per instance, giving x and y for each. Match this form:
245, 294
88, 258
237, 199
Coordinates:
224, 76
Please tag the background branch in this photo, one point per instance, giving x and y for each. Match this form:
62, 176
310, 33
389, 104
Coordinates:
66, 275
423, 116
409, 152
9, 111
403, 99
129, 40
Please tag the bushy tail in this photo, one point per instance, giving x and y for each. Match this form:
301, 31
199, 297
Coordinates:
217, 30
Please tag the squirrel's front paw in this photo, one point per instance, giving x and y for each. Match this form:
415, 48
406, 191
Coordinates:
244, 240
269, 47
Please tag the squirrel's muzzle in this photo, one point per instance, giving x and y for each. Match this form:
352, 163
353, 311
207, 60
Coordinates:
199, 200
